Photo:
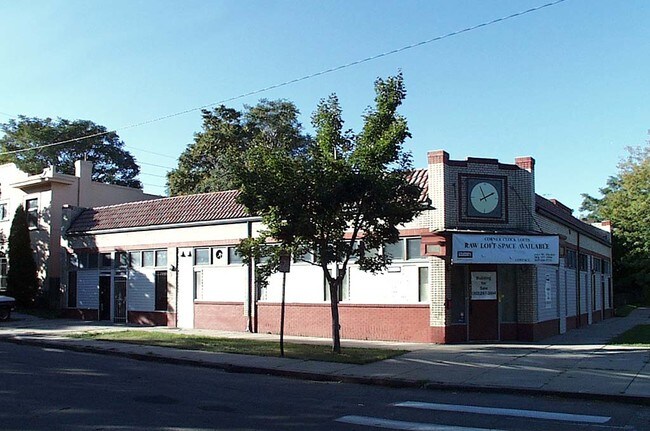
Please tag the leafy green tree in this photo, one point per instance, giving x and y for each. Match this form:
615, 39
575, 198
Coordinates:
22, 280
625, 202
206, 164
340, 197
112, 163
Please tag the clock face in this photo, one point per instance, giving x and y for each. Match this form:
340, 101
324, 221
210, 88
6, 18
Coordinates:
484, 197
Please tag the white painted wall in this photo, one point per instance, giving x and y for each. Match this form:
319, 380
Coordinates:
185, 296
224, 284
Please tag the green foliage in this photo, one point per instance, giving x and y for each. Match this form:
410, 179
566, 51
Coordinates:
112, 163
338, 196
206, 164
22, 281
625, 202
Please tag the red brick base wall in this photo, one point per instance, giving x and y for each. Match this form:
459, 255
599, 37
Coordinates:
226, 316
360, 322
148, 318
80, 313
538, 331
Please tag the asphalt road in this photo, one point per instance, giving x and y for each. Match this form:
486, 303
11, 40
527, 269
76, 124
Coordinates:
50, 389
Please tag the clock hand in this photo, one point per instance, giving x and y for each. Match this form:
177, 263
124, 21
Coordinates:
485, 197
481, 189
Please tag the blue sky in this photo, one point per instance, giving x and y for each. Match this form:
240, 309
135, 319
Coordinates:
568, 85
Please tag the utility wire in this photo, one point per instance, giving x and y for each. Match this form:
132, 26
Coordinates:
303, 78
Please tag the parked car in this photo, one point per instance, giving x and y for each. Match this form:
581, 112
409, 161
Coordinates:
7, 304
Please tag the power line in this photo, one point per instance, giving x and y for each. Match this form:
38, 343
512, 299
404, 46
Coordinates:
304, 78
151, 152
157, 166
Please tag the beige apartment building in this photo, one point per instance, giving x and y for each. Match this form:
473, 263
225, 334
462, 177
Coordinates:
43, 196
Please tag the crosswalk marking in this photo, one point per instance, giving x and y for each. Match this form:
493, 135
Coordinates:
506, 412
403, 425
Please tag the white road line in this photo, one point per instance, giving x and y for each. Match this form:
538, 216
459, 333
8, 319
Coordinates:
402, 425
568, 417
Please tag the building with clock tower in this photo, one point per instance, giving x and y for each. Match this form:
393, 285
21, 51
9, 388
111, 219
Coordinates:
492, 261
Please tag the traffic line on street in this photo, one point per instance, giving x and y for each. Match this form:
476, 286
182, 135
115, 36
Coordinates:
535, 414
403, 425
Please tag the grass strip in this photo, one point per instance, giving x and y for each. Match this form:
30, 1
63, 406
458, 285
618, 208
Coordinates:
639, 336
310, 352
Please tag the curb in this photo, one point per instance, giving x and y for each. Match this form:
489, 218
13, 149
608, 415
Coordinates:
388, 382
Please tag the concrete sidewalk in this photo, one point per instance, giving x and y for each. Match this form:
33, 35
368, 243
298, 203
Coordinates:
576, 364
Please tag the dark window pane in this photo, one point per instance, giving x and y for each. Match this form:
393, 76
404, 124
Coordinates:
413, 250
233, 256
161, 290
395, 251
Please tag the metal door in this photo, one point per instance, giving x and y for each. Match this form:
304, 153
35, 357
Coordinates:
119, 298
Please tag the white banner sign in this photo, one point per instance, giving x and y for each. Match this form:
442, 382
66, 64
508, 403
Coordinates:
506, 249
484, 286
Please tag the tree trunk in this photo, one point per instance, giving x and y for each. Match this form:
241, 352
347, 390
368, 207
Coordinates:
334, 306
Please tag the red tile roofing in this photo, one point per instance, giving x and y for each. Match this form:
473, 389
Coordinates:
157, 212
205, 207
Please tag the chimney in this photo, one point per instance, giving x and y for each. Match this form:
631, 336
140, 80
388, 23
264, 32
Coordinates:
438, 156
83, 169
527, 163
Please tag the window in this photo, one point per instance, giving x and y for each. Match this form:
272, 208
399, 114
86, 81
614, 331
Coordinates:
395, 251
136, 259
202, 256
597, 265
105, 259
86, 260
198, 284
121, 259
31, 208
423, 284
570, 259
93, 260
161, 258
4, 211
161, 290
413, 250
583, 261
234, 257
3, 273
607, 269
147, 258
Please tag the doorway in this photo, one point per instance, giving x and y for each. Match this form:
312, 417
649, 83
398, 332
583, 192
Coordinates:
119, 298
483, 306
105, 297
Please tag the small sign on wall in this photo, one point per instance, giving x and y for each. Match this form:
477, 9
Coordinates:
547, 292
484, 285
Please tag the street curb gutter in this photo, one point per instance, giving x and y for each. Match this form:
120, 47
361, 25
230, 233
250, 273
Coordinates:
304, 375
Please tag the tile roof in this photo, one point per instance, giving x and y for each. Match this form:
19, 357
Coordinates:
420, 177
560, 211
157, 212
203, 207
